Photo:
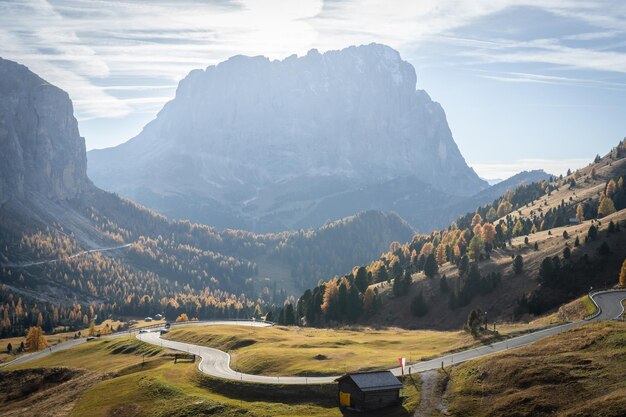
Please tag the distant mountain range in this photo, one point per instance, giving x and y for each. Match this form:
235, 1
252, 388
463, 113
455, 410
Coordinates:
280, 145
50, 210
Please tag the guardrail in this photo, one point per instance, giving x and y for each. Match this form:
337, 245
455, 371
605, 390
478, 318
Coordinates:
183, 323
598, 308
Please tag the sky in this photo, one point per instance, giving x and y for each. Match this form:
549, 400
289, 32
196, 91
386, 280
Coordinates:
525, 84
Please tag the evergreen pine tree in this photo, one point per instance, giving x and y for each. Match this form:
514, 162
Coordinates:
518, 264
430, 267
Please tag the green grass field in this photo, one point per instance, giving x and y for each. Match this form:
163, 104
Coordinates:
161, 388
301, 351
579, 373
305, 351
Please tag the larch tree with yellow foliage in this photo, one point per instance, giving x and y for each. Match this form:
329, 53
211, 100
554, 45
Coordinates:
427, 249
476, 220
622, 275
610, 188
488, 233
606, 206
580, 212
440, 255
105, 329
35, 339
504, 208
92, 329
182, 317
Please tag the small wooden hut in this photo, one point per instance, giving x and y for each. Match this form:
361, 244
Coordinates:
366, 391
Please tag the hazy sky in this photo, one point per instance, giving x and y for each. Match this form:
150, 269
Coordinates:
525, 84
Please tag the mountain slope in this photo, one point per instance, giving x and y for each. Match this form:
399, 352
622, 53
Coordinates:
436, 280
51, 214
274, 145
41, 148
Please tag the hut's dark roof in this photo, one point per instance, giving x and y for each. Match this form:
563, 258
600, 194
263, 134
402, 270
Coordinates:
374, 381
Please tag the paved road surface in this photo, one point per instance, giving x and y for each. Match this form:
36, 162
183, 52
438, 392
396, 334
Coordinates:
216, 363
56, 348
76, 255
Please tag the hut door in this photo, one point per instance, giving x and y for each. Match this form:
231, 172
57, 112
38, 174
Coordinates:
344, 399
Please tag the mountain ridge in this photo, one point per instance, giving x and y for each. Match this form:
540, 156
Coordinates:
241, 137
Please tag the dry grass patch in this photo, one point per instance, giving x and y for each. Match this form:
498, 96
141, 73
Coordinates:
307, 351
561, 375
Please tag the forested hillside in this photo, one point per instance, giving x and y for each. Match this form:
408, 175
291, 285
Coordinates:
172, 267
527, 252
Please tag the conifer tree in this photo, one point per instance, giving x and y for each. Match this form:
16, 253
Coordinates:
361, 279
92, 329
518, 264
622, 275
475, 248
440, 255
418, 305
430, 267
369, 302
610, 188
35, 340
476, 220
580, 212
606, 206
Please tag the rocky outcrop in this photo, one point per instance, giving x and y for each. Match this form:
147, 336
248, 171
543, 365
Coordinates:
252, 140
42, 151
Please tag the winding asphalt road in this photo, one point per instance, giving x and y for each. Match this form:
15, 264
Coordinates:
216, 363
76, 255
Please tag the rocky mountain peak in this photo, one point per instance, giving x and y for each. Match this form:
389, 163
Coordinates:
244, 131
42, 151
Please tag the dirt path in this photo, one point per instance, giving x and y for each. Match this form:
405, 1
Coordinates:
432, 401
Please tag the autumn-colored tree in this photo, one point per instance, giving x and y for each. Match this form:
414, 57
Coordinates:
518, 229
475, 248
105, 329
92, 329
593, 172
477, 219
622, 275
488, 233
35, 340
504, 208
478, 229
369, 302
427, 249
606, 206
491, 214
182, 317
331, 296
580, 212
610, 188
440, 255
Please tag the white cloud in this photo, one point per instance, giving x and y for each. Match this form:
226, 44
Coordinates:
79, 44
508, 169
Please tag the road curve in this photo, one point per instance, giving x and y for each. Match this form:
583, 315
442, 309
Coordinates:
216, 363
76, 255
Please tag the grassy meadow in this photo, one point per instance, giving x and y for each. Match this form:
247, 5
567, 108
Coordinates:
579, 373
130, 384
307, 351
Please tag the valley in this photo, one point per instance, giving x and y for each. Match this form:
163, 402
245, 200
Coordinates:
289, 235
